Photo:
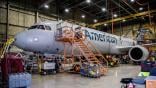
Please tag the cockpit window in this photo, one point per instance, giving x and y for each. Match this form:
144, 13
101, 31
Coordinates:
37, 27
40, 27
33, 27
47, 28
44, 27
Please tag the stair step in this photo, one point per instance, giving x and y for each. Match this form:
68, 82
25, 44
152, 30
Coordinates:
89, 55
94, 61
86, 50
78, 43
92, 58
98, 55
82, 45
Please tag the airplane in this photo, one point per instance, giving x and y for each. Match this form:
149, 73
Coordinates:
41, 38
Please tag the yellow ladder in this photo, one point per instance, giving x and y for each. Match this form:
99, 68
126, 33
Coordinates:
6, 47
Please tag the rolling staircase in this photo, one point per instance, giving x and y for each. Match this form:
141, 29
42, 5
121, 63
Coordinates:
67, 35
87, 53
90, 56
5, 47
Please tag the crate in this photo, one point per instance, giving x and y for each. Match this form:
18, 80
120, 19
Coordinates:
151, 84
19, 80
90, 70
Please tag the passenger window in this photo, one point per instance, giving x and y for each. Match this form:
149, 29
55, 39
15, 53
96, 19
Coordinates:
47, 28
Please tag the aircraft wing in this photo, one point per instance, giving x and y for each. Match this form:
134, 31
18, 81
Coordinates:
124, 48
150, 44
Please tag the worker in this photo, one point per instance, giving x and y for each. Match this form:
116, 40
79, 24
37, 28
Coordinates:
58, 65
39, 63
78, 33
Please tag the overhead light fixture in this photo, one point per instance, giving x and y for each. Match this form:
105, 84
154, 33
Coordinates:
95, 20
103, 9
143, 18
88, 1
123, 20
83, 16
46, 6
66, 10
141, 8
115, 15
105, 24
132, 0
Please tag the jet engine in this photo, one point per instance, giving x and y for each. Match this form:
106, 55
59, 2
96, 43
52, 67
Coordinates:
138, 53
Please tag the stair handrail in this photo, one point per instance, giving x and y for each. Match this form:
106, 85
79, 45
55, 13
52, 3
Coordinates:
83, 52
95, 48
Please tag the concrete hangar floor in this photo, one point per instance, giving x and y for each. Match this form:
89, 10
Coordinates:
67, 80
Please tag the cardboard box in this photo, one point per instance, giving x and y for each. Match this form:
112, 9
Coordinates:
150, 83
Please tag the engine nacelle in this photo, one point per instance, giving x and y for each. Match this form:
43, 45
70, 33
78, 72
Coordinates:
138, 53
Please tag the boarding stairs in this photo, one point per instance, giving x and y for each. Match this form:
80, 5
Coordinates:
87, 53
67, 34
91, 56
6, 47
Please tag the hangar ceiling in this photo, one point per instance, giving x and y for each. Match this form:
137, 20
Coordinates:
99, 10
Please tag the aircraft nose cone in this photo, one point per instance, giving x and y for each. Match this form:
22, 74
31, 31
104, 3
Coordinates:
21, 40
25, 41
34, 41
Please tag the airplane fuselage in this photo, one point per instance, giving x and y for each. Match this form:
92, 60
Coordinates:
44, 41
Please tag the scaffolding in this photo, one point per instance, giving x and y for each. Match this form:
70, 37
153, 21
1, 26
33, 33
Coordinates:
78, 40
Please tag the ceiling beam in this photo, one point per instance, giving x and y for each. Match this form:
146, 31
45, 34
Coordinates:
92, 4
123, 18
70, 6
79, 3
121, 6
129, 6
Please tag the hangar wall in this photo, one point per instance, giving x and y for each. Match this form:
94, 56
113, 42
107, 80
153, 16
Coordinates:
17, 20
131, 30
